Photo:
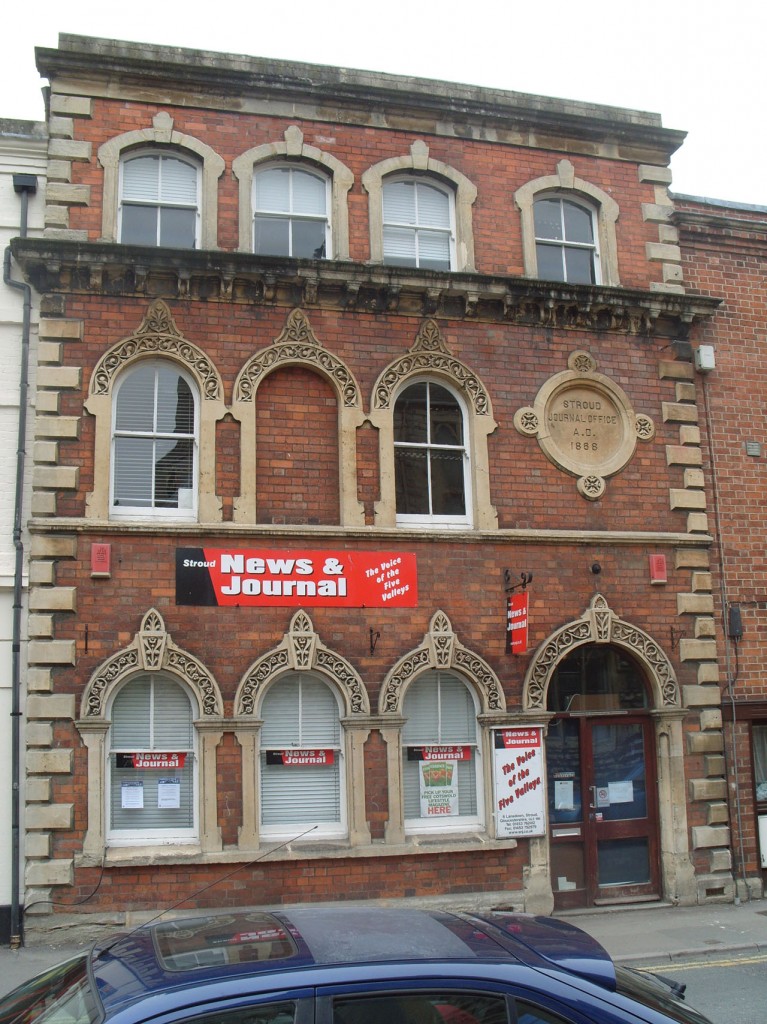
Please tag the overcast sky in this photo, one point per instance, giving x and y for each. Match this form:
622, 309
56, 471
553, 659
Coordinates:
698, 63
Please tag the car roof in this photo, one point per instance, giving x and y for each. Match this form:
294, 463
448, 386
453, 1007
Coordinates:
202, 950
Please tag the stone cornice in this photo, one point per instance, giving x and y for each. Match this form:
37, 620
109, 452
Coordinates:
226, 532
54, 265
111, 67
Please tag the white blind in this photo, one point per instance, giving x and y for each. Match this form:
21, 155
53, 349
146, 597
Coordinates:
159, 179
399, 203
151, 713
155, 430
290, 190
300, 712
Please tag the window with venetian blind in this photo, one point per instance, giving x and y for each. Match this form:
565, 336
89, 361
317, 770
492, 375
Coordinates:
152, 722
154, 443
441, 730
291, 217
302, 781
418, 224
159, 201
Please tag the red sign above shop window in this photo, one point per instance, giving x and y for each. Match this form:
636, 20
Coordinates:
300, 757
152, 760
232, 577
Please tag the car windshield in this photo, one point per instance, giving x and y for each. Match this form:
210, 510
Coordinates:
62, 995
657, 994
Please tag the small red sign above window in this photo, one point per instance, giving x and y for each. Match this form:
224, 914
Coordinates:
439, 753
152, 760
300, 757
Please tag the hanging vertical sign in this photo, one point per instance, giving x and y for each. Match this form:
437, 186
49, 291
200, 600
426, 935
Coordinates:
516, 622
519, 789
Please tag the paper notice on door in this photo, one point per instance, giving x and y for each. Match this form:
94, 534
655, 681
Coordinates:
563, 795
621, 792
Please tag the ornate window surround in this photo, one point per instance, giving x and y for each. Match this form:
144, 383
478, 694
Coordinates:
564, 183
157, 337
297, 345
430, 358
440, 649
418, 160
161, 134
293, 149
151, 650
302, 650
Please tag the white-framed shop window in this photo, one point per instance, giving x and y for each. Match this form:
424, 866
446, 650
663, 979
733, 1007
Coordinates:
441, 755
152, 779
301, 759
154, 458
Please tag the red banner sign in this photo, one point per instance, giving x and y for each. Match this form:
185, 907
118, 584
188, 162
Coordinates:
300, 757
516, 623
230, 577
152, 760
443, 753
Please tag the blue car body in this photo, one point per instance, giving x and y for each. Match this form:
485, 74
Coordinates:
347, 965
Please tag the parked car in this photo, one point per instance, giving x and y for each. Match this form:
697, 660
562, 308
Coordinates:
353, 965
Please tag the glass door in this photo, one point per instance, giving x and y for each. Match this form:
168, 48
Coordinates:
602, 810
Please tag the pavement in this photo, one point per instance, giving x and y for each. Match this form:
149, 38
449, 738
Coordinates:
655, 933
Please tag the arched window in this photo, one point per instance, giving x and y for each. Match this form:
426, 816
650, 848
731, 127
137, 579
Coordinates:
441, 773
565, 241
568, 229
151, 763
301, 758
430, 456
290, 207
159, 200
418, 224
154, 443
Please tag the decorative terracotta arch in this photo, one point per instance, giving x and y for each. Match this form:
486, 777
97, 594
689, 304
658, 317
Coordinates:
600, 625
297, 345
156, 337
301, 650
441, 649
430, 357
151, 650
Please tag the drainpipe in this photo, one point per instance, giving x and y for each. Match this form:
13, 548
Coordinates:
25, 185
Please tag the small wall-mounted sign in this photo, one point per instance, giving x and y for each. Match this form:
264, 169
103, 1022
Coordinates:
658, 573
101, 559
516, 622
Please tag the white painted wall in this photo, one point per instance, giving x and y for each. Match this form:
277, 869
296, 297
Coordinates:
23, 150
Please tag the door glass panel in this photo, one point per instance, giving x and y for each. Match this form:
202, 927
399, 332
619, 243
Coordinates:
563, 771
597, 678
619, 771
623, 861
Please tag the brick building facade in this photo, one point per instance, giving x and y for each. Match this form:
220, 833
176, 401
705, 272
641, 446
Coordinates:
724, 248
330, 364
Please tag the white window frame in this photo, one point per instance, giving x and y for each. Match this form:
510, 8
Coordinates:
457, 823
562, 244
140, 512
147, 836
289, 215
161, 153
456, 522
324, 830
427, 181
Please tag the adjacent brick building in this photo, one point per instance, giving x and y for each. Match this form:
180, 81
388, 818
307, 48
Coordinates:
331, 364
724, 248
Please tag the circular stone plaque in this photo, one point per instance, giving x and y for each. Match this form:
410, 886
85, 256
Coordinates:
584, 424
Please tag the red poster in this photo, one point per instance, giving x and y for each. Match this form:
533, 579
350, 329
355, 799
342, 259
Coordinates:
232, 577
516, 623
